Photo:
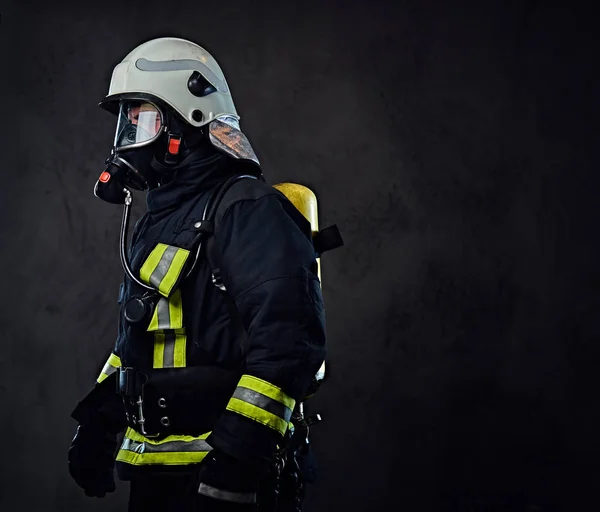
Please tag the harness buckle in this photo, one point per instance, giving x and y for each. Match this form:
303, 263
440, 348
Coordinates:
130, 385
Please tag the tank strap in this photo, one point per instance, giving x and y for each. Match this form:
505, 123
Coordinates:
327, 239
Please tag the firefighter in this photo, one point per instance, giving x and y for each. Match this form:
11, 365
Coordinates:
221, 330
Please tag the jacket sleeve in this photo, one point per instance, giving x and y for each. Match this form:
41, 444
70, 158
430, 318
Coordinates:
113, 360
264, 251
102, 405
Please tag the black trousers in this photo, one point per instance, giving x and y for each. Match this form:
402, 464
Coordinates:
175, 493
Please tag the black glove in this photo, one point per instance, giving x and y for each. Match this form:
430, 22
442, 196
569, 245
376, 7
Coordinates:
228, 480
92, 460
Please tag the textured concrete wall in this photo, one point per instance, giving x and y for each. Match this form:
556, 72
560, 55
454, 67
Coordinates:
452, 142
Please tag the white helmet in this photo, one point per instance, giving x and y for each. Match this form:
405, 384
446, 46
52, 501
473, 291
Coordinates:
185, 77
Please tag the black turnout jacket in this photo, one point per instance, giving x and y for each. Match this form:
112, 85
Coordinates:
252, 308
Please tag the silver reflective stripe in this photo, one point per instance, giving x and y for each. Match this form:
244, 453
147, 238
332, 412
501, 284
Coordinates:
199, 445
163, 265
262, 401
219, 494
108, 369
182, 65
162, 310
169, 353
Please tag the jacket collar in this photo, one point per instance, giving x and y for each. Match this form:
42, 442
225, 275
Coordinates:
196, 174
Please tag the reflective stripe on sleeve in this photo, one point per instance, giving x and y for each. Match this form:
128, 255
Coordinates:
163, 266
173, 450
112, 363
262, 402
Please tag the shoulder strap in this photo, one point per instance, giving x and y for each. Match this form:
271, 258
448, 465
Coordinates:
216, 207
221, 199
205, 227
213, 210
213, 215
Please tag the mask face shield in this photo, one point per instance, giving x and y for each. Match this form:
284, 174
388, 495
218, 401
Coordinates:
139, 123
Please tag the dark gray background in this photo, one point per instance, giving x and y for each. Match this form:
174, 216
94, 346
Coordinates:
452, 143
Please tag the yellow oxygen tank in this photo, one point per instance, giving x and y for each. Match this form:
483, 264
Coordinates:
305, 201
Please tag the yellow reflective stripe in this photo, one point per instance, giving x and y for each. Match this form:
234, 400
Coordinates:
175, 269
153, 325
159, 349
179, 359
168, 313
152, 262
170, 349
257, 414
262, 402
112, 363
114, 360
267, 389
151, 452
164, 459
175, 311
172, 450
136, 436
163, 266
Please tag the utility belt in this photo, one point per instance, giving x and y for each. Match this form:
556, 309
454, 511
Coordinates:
182, 401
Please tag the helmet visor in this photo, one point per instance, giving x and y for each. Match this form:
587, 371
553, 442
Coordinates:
139, 123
